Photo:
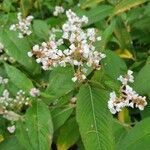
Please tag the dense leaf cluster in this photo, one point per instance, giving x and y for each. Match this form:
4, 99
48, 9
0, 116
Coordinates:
69, 115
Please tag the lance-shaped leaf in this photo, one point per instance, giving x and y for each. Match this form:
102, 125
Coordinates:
94, 119
125, 5
68, 135
11, 143
37, 130
137, 138
142, 80
60, 82
18, 49
18, 78
60, 115
41, 29
113, 65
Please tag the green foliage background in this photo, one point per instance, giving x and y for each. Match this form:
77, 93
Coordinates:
52, 121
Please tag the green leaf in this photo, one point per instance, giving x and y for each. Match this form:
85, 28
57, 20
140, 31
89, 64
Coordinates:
37, 130
119, 130
142, 80
137, 138
41, 29
7, 5
146, 112
122, 34
23, 135
94, 119
106, 35
11, 143
60, 115
60, 82
97, 13
68, 135
18, 49
113, 65
89, 3
18, 78
13, 89
125, 5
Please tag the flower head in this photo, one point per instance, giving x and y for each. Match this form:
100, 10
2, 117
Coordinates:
23, 25
80, 52
34, 92
127, 78
127, 96
58, 10
11, 129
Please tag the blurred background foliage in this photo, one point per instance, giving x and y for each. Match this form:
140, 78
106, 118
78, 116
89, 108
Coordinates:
124, 26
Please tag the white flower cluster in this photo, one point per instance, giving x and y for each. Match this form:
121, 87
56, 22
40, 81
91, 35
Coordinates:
127, 96
3, 81
58, 10
23, 25
80, 51
8, 102
1, 47
128, 78
34, 92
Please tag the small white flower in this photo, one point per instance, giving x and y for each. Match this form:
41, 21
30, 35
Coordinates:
141, 107
62, 64
30, 54
102, 55
13, 27
29, 18
74, 79
5, 94
85, 19
3, 81
99, 38
73, 100
34, 92
36, 48
58, 10
11, 129
76, 63
38, 60
112, 96
72, 47
123, 80
83, 77
128, 78
111, 102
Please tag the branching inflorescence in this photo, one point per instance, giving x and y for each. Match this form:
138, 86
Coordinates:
127, 97
80, 51
8, 102
23, 25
